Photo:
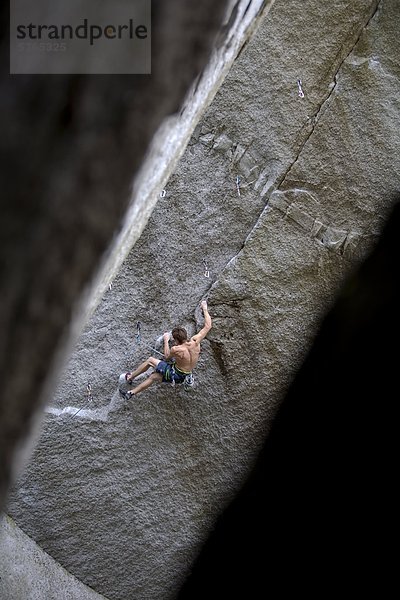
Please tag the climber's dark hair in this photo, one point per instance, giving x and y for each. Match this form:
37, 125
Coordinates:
179, 334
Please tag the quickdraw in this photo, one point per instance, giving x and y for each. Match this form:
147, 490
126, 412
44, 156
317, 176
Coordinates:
238, 184
206, 269
138, 334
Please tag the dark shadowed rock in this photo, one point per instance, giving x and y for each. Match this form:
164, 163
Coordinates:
318, 511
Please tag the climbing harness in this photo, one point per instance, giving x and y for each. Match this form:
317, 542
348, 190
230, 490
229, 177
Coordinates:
299, 85
188, 382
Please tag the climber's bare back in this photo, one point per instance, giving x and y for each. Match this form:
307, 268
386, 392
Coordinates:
186, 355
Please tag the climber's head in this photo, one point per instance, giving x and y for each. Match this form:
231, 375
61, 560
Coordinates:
179, 334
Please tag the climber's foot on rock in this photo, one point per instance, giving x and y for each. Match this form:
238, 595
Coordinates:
126, 395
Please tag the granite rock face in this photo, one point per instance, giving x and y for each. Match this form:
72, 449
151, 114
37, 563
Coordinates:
72, 148
27, 572
315, 514
277, 198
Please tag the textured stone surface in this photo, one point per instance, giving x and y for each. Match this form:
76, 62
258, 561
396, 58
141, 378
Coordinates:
321, 503
145, 481
71, 148
168, 145
28, 573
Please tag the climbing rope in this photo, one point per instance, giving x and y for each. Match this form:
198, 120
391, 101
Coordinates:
89, 397
154, 350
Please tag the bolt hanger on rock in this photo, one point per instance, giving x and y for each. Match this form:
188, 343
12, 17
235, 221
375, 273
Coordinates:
299, 85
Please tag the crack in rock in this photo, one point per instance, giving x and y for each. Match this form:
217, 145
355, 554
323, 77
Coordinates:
313, 120
218, 350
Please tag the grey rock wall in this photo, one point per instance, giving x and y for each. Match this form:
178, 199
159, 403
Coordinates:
71, 150
28, 573
317, 509
124, 494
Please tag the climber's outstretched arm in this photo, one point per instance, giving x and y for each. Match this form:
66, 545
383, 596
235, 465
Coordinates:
207, 324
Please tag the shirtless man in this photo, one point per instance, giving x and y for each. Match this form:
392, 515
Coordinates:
185, 352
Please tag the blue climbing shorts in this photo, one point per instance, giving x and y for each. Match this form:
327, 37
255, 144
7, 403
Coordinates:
170, 372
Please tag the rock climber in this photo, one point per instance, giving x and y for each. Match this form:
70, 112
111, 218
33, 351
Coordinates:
180, 359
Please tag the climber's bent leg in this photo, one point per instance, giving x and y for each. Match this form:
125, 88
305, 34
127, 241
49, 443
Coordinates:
150, 362
154, 378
